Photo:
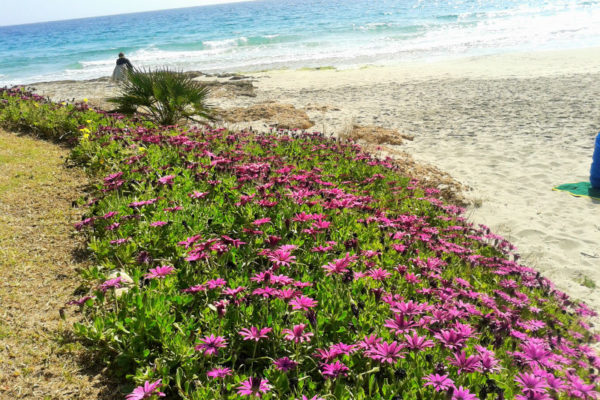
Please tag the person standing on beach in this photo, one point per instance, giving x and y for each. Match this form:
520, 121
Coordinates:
123, 66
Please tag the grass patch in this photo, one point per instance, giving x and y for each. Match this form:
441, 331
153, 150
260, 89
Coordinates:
323, 68
588, 283
37, 274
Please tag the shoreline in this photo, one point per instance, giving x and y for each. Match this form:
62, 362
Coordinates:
580, 60
510, 127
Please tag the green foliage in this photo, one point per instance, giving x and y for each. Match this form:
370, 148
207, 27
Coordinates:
588, 283
163, 96
22, 111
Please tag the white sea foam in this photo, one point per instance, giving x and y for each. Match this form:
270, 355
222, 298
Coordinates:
375, 26
225, 44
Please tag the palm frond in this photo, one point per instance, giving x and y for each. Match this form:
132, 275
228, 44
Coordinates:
164, 96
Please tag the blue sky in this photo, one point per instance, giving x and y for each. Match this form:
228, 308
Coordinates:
14, 12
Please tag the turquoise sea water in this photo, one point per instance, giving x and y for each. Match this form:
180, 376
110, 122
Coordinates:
269, 34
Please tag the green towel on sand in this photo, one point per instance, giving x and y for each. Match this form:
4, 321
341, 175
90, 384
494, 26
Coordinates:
580, 189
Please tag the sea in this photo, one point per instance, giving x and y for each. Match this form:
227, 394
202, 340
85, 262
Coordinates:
274, 34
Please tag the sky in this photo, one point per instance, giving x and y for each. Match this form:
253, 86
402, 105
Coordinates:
16, 12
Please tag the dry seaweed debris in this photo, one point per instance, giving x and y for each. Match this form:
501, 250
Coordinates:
39, 358
283, 116
372, 134
450, 189
230, 89
374, 139
320, 107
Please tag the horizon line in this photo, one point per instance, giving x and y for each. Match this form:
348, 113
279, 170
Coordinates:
127, 13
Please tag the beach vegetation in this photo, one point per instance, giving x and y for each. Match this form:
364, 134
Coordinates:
163, 96
36, 115
323, 68
287, 265
588, 283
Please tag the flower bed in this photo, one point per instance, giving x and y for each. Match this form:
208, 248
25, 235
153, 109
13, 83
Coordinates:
289, 266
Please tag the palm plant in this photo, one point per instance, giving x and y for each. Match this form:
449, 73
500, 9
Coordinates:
163, 96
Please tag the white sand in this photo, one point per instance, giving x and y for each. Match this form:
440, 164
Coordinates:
510, 127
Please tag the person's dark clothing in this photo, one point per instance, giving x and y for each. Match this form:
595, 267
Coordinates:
123, 60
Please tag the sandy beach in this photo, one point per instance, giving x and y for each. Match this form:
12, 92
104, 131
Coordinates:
509, 127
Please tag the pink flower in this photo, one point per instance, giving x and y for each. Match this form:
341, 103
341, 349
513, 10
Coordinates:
254, 333
210, 344
487, 361
219, 373
146, 391
370, 253
237, 243
297, 334
113, 177
281, 280
159, 272
534, 354
194, 289
119, 241
531, 382
81, 301
287, 294
327, 354
438, 382
261, 221
580, 389
263, 276
462, 393
113, 226
321, 249
554, 383
334, 370
302, 285
399, 324
285, 364
158, 223
386, 352
166, 180
114, 283
254, 387
450, 339
412, 278
197, 195
464, 330
409, 307
216, 283
400, 248
281, 257
234, 292
464, 363
273, 240
187, 243
303, 303
416, 342
369, 342
321, 225
340, 265
379, 274
265, 292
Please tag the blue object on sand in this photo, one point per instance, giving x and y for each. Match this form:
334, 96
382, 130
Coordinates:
595, 170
